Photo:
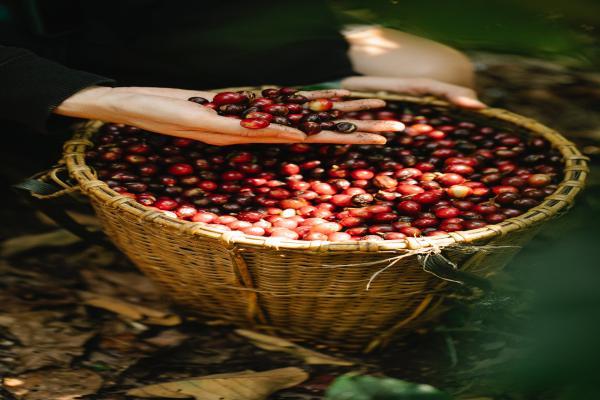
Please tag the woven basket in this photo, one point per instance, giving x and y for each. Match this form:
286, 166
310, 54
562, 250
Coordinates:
316, 290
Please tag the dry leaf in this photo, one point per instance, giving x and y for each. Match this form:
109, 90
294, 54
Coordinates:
168, 338
109, 282
132, 311
21, 244
55, 384
45, 339
233, 386
273, 343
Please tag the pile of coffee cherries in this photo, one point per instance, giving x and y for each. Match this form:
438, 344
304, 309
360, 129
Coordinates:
440, 175
279, 106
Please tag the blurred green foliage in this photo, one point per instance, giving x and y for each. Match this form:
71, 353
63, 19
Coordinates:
357, 387
565, 30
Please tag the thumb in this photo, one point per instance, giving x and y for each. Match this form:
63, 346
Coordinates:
466, 100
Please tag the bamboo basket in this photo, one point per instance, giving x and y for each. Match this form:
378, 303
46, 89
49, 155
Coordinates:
315, 290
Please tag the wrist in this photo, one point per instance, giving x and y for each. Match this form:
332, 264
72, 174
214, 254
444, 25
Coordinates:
82, 103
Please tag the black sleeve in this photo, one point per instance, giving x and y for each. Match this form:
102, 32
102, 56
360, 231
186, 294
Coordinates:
31, 86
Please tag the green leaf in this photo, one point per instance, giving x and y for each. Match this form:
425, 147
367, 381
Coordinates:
357, 387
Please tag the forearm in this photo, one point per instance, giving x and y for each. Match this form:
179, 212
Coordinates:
376, 51
32, 87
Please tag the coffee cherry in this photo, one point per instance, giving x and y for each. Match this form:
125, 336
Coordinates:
229, 98
259, 115
459, 191
310, 128
296, 99
409, 207
345, 127
197, 99
320, 105
450, 179
254, 123
165, 204
539, 180
447, 212
179, 169
270, 93
362, 199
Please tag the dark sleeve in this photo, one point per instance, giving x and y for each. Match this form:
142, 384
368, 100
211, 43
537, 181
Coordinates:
31, 86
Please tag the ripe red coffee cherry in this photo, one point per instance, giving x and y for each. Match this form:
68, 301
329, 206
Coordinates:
385, 182
323, 188
425, 222
427, 197
539, 180
284, 233
341, 200
290, 169
504, 189
474, 224
165, 204
253, 230
250, 216
205, 217
485, 209
394, 236
259, 115
181, 169
410, 231
409, 207
326, 227
186, 212
495, 218
450, 179
419, 129
447, 212
232, 176
339, 237
362, 174
254, 123
229, 98
461, 169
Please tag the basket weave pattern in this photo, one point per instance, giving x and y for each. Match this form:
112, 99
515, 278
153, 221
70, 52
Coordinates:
312, 289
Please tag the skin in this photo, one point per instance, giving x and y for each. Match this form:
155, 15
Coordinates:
380, 54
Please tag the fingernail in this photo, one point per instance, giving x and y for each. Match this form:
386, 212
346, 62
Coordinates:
294, 136
398, 126
470, 102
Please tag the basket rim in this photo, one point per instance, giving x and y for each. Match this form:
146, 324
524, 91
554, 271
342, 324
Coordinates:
575, 172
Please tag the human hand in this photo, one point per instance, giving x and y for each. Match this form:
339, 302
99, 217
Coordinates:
167, 111
459, 95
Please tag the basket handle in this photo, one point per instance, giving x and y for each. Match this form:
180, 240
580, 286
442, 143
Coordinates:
44, 191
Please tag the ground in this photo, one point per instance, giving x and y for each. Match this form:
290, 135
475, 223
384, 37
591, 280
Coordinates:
71, 325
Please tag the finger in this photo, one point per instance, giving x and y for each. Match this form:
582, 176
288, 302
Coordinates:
459, 95
376, 125
324, 94
174, 93
358, 105
466, 101
232, 126
345, 138
219, 139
